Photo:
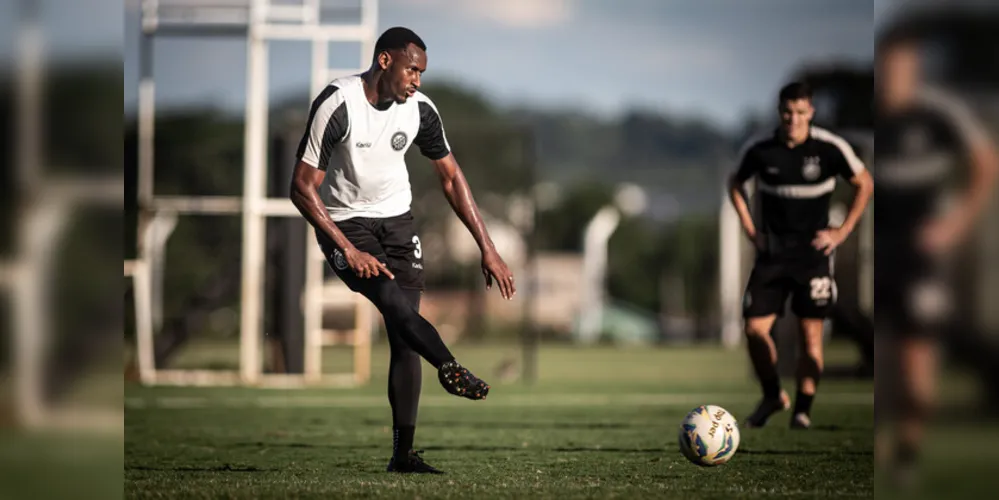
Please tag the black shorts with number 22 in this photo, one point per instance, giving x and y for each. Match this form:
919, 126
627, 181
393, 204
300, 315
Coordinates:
809, 282
391, 240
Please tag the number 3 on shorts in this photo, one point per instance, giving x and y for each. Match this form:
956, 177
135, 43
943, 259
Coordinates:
419, 249
822, 288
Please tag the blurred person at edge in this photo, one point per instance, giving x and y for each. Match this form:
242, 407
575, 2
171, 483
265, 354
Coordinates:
935, 168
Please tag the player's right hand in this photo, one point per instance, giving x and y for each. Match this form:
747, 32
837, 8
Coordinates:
365, 265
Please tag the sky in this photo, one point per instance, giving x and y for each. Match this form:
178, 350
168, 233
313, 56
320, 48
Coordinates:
714, 59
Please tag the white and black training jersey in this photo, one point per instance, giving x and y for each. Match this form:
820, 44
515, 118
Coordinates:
918, 160
795, 185
362, 149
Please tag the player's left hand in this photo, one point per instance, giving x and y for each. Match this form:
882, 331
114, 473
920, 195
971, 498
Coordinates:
827, 240
493, 267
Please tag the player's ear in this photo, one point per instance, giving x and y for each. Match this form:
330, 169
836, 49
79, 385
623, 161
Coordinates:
384, 60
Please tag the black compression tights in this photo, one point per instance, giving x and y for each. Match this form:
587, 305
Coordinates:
410, 337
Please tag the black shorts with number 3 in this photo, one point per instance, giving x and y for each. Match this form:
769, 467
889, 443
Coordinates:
809, 282
391, 240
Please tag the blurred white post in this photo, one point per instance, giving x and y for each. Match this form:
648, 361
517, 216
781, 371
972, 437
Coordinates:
145, 350
369, 21
630, 200
254, 176
28, 101
730, 286
38, 224
595, 239
40, 227
146, 109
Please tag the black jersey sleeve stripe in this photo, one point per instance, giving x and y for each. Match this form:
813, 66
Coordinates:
336, 130
316, 104
430, 138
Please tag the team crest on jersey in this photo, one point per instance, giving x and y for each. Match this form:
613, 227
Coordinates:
399, 140
811, 170
339, 261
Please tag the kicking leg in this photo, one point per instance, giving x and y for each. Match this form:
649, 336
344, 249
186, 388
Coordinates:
810, 364
422, 337
763, 354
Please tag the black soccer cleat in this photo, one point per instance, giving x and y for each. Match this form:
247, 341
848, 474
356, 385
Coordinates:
801, 421
766, 409
411, 464
457, 380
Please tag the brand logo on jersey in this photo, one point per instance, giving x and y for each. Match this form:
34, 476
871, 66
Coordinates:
811, 170
399, 140
339, 261
363, 145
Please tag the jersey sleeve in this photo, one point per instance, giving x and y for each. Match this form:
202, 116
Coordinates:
748, 162
967, 130
844, 159
328, 125
431, 138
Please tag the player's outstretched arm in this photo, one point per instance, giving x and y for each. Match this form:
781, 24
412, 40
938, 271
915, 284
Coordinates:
459, 195
304, 195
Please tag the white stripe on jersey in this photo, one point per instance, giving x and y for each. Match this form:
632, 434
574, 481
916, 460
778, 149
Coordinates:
930, 169
799, 191
969, 129
822, 134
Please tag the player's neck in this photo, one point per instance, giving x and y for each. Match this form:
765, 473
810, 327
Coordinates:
795, 137
371, 82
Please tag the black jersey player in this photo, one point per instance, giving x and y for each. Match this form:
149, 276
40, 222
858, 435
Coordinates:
936, 168
796, 168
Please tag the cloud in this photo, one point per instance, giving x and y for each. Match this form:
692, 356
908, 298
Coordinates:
523, 14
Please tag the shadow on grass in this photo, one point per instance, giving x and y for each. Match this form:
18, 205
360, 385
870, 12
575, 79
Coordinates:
219, 468
479, 424
807, 452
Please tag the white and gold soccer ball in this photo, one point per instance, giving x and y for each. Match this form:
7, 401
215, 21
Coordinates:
709, 436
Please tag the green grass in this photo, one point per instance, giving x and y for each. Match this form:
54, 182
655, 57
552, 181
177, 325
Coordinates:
599, 423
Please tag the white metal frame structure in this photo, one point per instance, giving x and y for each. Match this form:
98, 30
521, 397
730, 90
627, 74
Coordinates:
50, 203
260, 22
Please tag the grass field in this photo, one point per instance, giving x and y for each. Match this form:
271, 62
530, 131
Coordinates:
599, 423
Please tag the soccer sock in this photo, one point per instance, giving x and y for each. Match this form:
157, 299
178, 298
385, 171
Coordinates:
402, 440
404, 383
771, 387
803, 403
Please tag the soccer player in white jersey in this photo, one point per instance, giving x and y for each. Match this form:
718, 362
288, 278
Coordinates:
351, 183
796, 166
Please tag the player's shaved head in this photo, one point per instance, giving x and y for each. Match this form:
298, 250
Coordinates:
398, 39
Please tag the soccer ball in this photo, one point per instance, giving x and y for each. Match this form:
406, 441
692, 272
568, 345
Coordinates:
709, 436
